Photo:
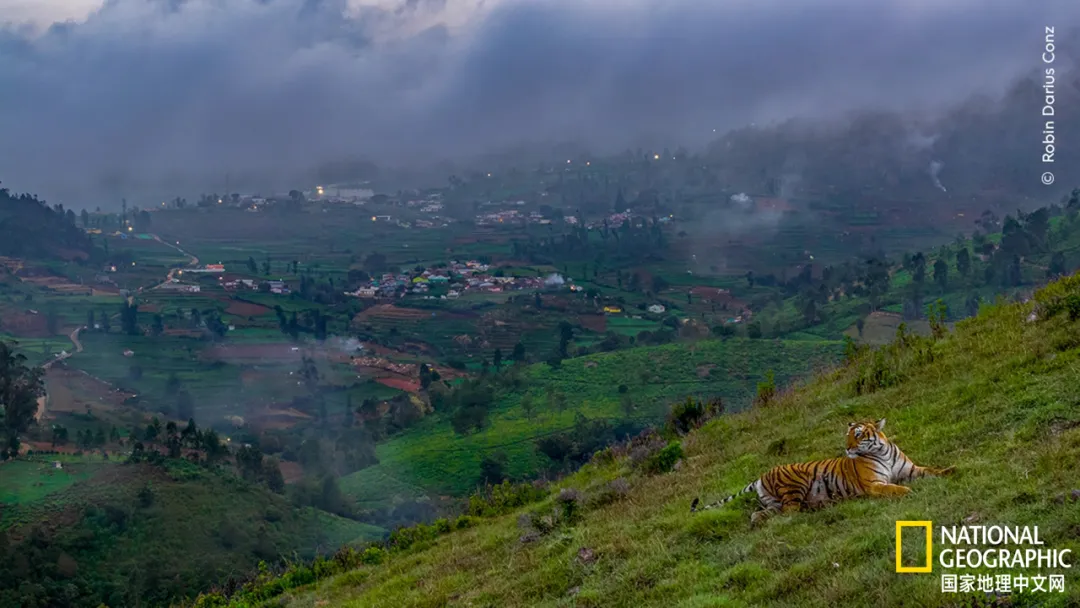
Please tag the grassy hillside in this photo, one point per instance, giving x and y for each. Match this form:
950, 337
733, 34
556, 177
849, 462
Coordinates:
997, 399
433, 457
99, 531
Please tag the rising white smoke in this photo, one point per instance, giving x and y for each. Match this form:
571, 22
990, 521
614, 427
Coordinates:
935, 169
741, 200
554, 280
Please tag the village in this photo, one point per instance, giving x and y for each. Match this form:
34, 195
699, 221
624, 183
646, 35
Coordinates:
458, 278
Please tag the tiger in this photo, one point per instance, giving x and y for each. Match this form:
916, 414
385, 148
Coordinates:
872, 466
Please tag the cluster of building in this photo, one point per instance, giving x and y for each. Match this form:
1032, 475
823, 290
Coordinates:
459, 277
176, 285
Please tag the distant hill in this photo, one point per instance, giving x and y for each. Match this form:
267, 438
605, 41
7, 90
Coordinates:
30, 228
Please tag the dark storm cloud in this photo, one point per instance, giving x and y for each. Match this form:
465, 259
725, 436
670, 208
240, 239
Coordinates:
152, 96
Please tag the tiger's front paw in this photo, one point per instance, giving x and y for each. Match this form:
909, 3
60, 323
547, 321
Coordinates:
693, 505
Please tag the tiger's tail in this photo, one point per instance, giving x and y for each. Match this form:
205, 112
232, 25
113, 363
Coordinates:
749, 488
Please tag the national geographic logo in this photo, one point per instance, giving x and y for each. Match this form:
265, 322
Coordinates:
929, 527
978, 553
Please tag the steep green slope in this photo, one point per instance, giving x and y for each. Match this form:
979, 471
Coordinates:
433, 457
998, 399
98, 531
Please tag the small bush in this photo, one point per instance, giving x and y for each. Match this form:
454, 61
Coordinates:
465, 521
878, 374
504, 497
211, 600
441, 525
1060, 296
664, 460
766, 390
690, 414
372, 556
403, 538
610, 493
570, 504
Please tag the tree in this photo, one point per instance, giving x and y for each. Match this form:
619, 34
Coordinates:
172, 440
1057, 265
963, 262
723, 330
249, 459
129, 318
566, 333
809, 309
492, 468
941, 273
90, 319
157, 327
271, 473
519, 353
659, 284
860, 323
152, 430
753, 330
626, 403
496, 359
85, 215
253, 268
309, 374
528, 405
918, 264
20, 387
190, 435
184, 406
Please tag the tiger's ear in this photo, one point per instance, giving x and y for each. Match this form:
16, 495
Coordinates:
881, 424
850, 424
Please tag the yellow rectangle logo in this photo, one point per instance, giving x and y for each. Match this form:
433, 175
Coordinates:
929, 526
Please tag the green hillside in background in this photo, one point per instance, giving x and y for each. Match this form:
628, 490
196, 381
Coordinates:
997, 398
434, 457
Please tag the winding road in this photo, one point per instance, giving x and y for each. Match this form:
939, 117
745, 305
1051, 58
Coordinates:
74, 335
194, 261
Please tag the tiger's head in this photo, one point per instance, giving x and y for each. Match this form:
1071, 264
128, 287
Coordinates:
865, 437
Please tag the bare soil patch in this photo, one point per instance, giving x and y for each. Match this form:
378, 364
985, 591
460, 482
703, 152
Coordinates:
596, 323
410, 386
23, 324
72, 391
291, 471
246, 309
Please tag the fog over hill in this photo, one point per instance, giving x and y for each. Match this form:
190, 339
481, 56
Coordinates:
160, 97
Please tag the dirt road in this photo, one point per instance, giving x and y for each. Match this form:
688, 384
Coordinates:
74, 337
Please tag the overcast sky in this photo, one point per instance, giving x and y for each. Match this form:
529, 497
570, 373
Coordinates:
164, 95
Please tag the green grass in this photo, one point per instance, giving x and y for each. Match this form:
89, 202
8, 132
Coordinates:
997, 400
27, 481
432, 456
